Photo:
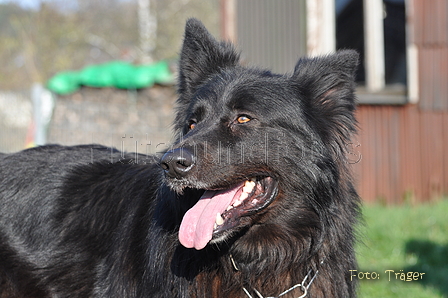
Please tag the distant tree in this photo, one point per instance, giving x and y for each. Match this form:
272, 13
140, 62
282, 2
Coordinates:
65, 35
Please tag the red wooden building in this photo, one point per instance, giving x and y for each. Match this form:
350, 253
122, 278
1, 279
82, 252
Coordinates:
403, 79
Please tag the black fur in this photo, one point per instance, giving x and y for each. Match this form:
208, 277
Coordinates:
88, 221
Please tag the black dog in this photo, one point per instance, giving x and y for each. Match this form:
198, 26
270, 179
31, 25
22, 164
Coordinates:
254, 199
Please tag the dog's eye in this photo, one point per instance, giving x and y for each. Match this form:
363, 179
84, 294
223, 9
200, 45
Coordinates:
192, 125
243, 119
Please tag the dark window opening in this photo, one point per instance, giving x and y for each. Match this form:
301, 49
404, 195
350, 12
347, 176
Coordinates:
350, 35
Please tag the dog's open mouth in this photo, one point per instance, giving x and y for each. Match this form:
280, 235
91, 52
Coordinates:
218, 211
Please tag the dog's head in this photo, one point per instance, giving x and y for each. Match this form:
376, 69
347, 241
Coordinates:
252, 141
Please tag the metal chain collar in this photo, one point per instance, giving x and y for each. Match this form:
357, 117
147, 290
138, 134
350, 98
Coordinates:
302, 285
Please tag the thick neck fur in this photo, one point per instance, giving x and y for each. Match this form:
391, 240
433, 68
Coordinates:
225, 281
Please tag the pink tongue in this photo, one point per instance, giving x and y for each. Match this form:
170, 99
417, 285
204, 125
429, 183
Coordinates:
196, 229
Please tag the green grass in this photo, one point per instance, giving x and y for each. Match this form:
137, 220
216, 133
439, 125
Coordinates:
407, 238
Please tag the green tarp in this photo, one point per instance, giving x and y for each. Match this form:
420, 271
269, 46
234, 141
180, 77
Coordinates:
118, 74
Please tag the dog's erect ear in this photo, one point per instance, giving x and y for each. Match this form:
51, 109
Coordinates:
327, 84
202, 56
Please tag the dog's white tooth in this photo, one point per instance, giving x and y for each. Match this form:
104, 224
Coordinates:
249, 183
248, 186
229, 208
242, 197
219, 220
238, 202
215, 226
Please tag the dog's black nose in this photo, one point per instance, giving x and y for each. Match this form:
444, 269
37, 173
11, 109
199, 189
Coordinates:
177, 163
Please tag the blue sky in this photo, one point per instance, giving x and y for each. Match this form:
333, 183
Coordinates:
35, 4
24, 3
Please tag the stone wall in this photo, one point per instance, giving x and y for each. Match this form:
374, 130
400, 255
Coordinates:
134, 121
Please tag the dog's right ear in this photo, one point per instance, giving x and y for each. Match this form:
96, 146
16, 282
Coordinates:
201, 56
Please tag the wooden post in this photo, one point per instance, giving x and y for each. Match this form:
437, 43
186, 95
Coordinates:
147, 30
321, 27
228, 20
374, 44
412, 54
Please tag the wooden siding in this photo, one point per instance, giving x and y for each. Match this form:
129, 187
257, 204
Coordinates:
270, 33
433, 77
405, 148
430, 35
403, 152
